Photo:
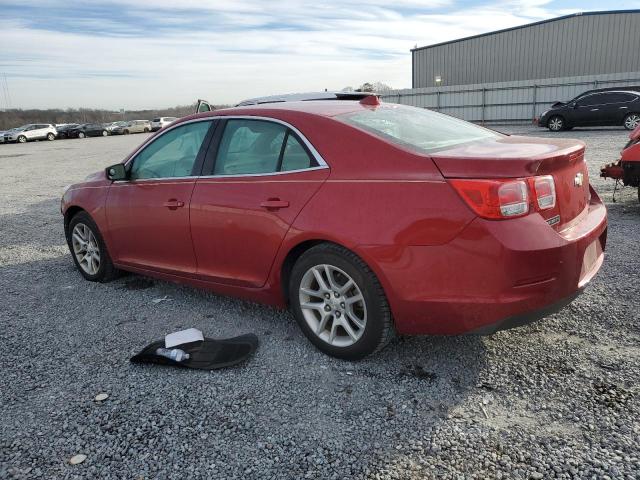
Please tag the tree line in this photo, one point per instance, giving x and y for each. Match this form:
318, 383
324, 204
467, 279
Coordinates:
16, 117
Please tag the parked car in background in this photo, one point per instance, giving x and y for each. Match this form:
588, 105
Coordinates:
134, 126
88, 130
30, 132
161, 122
112, 125
364, 218
2, 133
597, 108
63, 130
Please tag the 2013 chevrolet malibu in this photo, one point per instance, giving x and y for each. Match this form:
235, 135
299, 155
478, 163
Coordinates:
366, 218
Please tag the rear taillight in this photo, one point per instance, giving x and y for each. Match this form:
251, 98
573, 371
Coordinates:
508, 198
545, 191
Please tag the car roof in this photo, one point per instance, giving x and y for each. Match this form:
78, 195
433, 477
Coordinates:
305, 97
312, 107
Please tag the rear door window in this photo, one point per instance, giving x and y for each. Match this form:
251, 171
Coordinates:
251, 147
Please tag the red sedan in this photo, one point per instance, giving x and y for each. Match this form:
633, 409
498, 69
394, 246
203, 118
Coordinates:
365, 218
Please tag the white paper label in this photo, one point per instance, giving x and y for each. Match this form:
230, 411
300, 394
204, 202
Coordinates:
183, 336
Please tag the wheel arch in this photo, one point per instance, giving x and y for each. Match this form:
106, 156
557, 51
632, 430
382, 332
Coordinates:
298, 249
69, 213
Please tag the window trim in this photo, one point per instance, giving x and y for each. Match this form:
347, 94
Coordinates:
200, 158
307, 145
212, 141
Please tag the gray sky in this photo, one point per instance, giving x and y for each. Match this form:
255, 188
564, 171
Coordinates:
115, 53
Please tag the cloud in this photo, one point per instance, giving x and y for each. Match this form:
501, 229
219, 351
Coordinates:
139, 54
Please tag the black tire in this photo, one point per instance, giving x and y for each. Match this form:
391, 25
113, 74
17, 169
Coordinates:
556, 123
631, 121
106, 271
146, 130
51, 137
22, 139
126, 132
378, 330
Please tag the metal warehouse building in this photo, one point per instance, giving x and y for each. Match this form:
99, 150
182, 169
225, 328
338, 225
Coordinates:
580, 44
513, 74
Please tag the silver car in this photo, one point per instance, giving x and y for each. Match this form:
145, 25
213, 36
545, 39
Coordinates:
161, 122
32, 131
134, 126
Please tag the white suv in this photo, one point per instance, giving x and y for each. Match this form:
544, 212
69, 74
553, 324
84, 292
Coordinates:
161, 122
33, 131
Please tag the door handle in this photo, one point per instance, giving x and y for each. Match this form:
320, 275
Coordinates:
624, 107
274, 204
173, 204
595, 109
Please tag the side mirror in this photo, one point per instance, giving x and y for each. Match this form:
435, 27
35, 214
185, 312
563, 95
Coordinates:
117, 172
574, 105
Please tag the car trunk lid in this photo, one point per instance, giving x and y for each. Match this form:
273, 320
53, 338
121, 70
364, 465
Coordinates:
521, 157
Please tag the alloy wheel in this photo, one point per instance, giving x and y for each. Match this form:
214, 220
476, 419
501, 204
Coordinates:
86, 249
632, 121
333, 305
556, 124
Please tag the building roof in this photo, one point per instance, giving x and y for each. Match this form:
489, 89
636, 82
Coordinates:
564, 17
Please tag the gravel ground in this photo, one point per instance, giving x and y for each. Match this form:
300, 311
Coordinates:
557, 399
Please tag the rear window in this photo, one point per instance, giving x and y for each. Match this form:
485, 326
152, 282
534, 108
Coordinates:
416, 128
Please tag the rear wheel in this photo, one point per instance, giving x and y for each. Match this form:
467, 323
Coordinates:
631, 121
339, 303
81, 135
89, 250
104, 133
556, 123
51, 137
146, 130
22, 139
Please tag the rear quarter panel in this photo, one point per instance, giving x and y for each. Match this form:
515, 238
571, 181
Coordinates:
377, 197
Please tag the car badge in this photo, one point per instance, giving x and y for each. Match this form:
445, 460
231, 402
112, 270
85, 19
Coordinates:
577, 180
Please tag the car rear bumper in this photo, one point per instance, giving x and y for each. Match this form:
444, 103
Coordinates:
494, 275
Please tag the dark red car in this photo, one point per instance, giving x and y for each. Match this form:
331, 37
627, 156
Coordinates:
366, 219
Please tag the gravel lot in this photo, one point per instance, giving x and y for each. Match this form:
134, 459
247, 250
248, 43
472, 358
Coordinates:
557, 399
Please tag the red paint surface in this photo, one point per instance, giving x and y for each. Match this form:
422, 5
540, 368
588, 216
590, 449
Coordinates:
443, 269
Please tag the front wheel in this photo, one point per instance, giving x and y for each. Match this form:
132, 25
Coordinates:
81, 135
339, 303
89, 250
22, 139
51, 137
631, 121
556, 124
104, 133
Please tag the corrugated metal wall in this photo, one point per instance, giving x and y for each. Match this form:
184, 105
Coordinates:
506, 101
587, 44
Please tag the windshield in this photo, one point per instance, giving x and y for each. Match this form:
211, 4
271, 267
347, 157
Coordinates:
416, 128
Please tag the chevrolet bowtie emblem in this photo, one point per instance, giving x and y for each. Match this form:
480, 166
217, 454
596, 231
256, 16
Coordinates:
577, 181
